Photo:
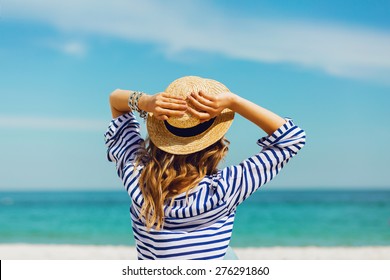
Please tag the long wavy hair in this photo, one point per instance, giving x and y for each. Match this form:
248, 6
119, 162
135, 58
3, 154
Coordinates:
166, 175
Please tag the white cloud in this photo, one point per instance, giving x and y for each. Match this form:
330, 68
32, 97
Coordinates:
178, 26
45, 123
72, 48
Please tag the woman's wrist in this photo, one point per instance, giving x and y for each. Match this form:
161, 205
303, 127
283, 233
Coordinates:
144, 101
231, 101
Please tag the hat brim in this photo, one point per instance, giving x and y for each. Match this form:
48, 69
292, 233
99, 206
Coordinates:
171, 143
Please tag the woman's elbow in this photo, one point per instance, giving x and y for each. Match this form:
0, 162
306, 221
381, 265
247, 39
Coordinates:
113, 95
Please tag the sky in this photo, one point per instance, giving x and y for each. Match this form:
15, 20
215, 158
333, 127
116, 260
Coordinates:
325, 64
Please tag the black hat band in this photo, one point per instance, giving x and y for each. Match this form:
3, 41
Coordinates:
190, 131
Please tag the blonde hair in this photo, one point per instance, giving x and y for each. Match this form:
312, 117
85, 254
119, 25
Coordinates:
166, 175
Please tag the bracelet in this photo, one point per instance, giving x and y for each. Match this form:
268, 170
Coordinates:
133, 103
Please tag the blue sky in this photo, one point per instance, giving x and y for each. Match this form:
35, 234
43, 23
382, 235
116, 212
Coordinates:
326, 64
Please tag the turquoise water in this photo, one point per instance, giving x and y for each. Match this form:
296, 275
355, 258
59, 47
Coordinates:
268, 218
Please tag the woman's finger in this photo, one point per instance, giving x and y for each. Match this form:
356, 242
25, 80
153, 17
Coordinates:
209, 97
204, 101
173, 101
200, 115
198, 105
174, 98
173, 106
170, 113
162, 117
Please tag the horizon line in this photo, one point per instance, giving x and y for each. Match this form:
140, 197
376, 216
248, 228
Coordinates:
322, 188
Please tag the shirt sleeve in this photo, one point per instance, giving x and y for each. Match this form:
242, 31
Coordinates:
277, 149
123, 140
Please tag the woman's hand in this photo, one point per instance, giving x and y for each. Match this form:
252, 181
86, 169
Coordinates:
163, 105
207, 106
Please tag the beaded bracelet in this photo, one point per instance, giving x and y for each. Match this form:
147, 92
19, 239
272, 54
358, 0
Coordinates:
133, 103
131, 100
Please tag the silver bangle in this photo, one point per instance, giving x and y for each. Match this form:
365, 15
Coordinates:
138, 96
130, 101
133, 103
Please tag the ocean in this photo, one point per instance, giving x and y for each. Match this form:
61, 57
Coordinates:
267, 218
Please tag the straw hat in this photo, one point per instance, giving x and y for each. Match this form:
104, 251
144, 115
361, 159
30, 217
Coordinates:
186, 135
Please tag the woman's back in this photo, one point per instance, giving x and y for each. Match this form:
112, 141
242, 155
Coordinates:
197, 225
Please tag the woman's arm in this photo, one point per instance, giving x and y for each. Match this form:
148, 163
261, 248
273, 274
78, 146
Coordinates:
283, 142
208, 106
162, 105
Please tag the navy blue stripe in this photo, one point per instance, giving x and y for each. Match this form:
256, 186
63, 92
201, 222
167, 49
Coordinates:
190, 210
257, 172
248, 188
124, 143
183, 245
189, 253
177, 231
284, 134
193, 225
277, 161
234, 184
199, 223
270, 164
132, 140
264, 168
130, 123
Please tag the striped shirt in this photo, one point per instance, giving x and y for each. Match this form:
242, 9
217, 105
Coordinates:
201, 227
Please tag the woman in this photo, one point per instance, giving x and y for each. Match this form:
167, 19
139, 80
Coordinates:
183, 207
